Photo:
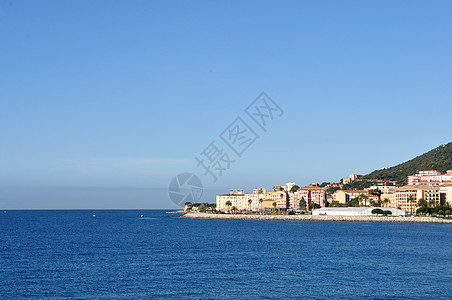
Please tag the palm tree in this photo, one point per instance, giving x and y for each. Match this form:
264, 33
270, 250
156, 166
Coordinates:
376, 192
274, 204
378, 203
359, 199
282, 196
249, 203
364, 199
385, 201
228, 204
260, 203
411, 200
234, 209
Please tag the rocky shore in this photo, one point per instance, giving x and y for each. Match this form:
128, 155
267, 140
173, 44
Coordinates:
316, 218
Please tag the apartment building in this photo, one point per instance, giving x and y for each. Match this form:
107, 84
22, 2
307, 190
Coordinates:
312, 194
241, 200
235, 197
288, 186
407, 197
446, 193
430, 177
280, 197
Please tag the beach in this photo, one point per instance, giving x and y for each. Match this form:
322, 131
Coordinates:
317, 218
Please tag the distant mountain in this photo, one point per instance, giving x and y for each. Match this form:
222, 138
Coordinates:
437, 159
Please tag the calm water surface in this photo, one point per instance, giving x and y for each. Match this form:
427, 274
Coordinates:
118, 255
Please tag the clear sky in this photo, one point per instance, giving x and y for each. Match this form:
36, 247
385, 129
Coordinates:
106, 95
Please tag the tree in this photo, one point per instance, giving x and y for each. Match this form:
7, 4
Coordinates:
440, 210
360, 200
294, 188
202, 208
385, 201
234, 209
332, 189
260, 203
448, 212
377, 211
364, 199
335, 204
438, 158
353, 203
228, 204
411, 200
274, 205
376, 192
422, 203
424, 210
249, 203
302, 203
420, 210
313, 206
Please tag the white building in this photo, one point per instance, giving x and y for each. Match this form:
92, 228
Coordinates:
429, 172
288, 186
430, 177
354, 211
385, 189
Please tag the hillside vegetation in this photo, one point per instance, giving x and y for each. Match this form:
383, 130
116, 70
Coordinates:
437, 159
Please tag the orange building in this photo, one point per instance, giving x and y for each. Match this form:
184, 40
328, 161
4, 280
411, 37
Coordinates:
311, 194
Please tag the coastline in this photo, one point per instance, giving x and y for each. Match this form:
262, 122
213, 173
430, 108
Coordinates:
316, 218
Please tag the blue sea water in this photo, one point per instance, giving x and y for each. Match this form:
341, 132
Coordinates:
118, 255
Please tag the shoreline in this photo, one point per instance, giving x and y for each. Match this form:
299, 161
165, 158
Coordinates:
316, 218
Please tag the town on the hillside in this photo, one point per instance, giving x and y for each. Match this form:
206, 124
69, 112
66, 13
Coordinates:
427, 192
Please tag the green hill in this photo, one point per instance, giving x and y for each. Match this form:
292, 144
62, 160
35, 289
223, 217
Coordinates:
437, 159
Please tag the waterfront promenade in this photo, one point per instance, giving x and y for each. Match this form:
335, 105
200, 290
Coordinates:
197, 215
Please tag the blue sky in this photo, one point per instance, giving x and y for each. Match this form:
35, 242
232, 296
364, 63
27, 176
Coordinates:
124, 94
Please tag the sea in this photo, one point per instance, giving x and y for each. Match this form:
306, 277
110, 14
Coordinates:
155, 254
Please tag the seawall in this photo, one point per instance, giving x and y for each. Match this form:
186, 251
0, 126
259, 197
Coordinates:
316, 218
